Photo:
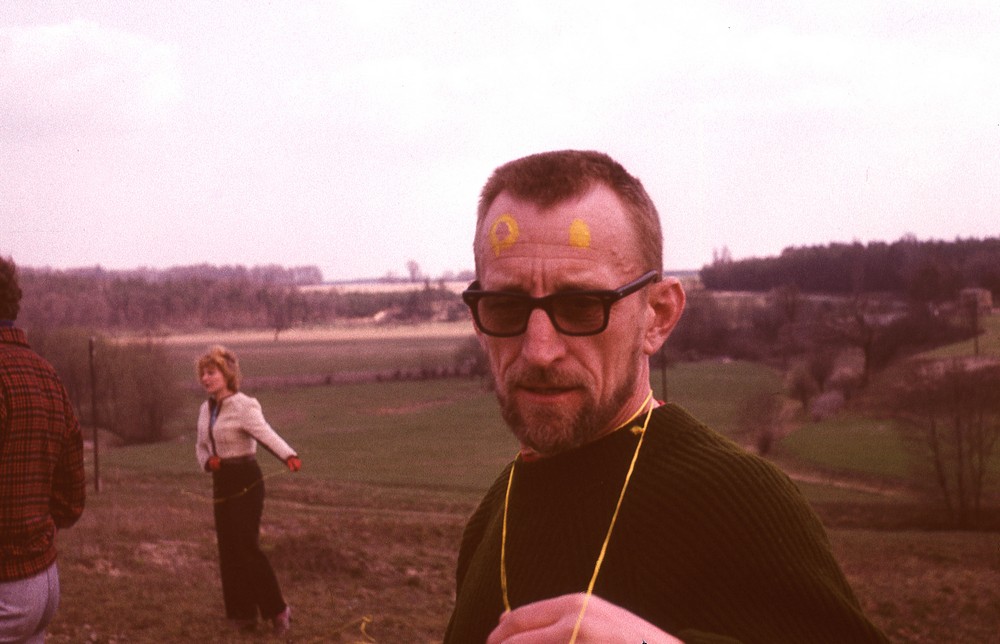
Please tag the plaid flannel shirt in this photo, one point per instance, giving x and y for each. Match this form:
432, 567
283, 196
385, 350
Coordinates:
42, 479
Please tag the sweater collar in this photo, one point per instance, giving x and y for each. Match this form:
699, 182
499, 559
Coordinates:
13, 335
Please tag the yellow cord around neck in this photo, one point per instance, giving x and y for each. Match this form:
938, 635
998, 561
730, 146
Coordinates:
607, 537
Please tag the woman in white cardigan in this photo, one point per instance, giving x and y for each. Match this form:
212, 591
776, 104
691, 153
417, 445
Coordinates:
230, 426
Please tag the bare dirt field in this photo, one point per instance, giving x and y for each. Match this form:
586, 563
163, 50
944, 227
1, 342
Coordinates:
375, 564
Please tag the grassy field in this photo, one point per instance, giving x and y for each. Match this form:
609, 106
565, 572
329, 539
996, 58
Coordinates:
364, 539
851, 443
989, 341
334, 350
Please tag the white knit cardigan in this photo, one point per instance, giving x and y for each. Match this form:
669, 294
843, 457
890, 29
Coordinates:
238, 428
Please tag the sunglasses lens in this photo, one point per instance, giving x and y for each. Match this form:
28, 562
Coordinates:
502, 314
579, 314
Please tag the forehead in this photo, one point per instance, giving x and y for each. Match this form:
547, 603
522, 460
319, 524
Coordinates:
591, 227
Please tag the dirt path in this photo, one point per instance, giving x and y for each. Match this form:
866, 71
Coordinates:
421, 516
845, 483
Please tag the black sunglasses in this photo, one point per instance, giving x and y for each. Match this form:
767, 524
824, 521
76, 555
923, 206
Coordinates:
504, 314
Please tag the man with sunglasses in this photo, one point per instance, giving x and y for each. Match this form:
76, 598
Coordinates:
620, 519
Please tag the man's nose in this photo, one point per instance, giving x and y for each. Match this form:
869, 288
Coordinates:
542, 343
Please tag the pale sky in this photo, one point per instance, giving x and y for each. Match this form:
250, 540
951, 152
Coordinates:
355, 135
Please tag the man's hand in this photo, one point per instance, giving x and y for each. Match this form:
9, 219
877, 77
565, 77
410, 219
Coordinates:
294, 463
552, 620
213, 464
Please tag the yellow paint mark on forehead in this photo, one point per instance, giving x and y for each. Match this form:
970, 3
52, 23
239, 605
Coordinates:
503, 233
579, 234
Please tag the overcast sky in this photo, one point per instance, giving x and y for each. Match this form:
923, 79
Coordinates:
355, 136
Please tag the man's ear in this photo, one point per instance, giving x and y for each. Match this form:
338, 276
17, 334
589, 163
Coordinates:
666, 299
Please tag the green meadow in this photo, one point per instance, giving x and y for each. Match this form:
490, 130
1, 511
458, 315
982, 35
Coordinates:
364, 539
988, 342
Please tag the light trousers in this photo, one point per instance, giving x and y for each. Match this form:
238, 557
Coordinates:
27, 606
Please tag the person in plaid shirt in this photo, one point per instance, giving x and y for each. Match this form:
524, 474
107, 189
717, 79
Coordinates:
42, 480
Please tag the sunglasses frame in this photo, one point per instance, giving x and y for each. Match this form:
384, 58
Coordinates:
473, 294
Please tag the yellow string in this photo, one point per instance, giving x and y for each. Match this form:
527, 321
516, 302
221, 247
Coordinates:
614, 518
607, 538
503, 541
362, 622
216, 500
365, 621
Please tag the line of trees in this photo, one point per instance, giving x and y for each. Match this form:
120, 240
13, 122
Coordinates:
198, 297
783, 326
925, 271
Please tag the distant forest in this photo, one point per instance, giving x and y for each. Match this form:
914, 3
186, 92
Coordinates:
217, 297
273, 297
929, 271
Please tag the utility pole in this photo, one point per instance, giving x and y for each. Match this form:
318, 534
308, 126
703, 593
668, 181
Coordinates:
975, 326
93, 415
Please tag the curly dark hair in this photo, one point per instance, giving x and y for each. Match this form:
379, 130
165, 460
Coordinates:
10, 290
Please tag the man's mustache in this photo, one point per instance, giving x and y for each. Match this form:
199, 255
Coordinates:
542, 377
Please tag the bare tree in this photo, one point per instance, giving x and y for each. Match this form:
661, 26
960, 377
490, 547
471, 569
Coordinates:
787, 301
950, 412
66, 349
759, 419
801, 385
137, 394
703, 330
859, 326
413, 268
469, 358
820, 364
284, 307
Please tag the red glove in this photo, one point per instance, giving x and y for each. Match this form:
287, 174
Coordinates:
214, 464
294, 463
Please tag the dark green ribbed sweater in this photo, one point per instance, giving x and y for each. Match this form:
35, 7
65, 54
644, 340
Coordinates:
712, 544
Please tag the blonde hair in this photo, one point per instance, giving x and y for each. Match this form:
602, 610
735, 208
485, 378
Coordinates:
225, 361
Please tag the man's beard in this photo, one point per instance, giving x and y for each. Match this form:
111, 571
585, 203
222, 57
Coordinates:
552, 430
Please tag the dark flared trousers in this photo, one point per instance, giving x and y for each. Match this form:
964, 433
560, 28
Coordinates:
248, 581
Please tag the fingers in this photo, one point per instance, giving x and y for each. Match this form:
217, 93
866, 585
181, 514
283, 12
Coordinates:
554, 620
543, 621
